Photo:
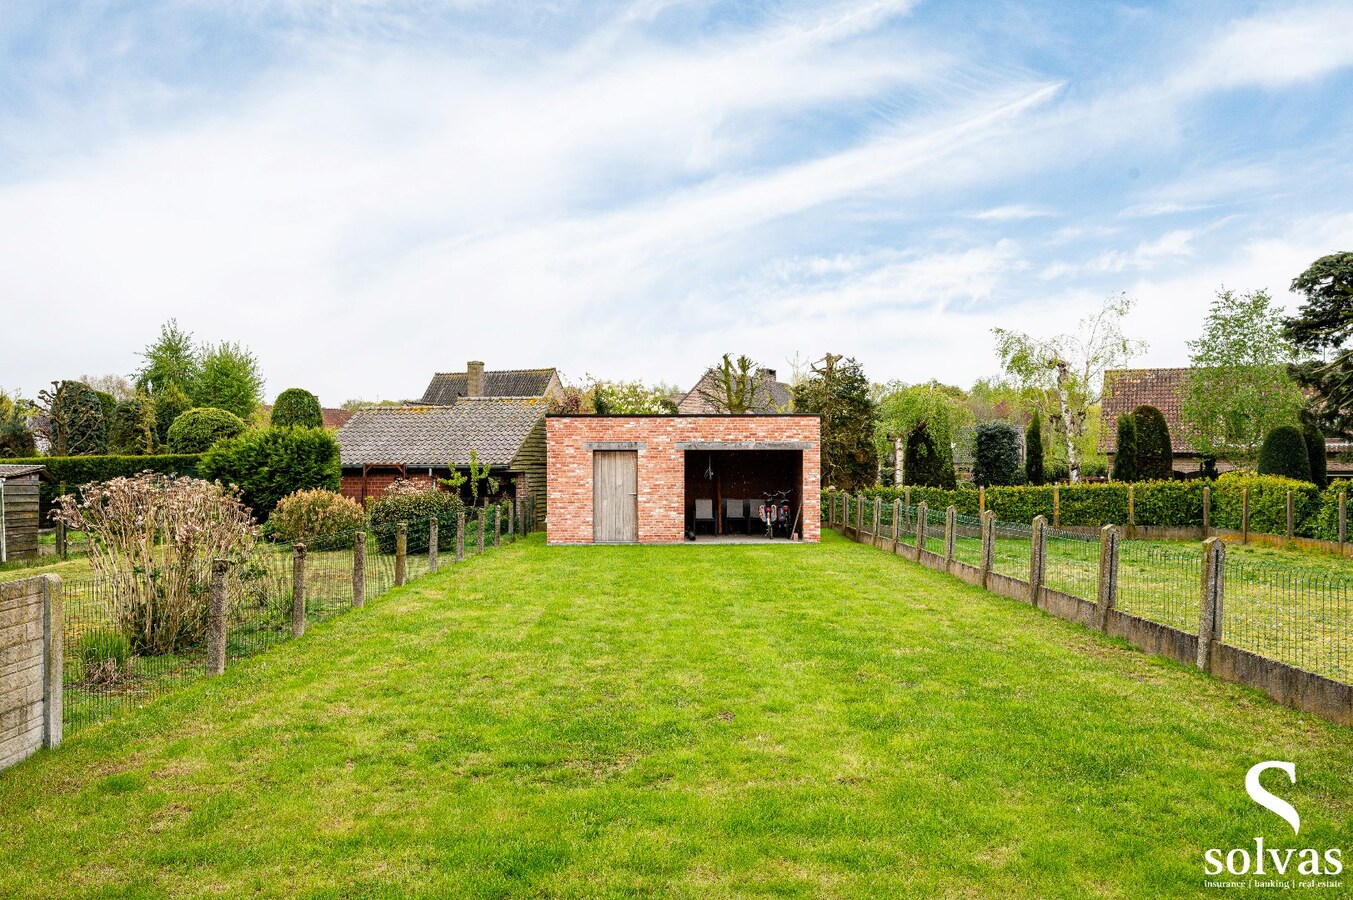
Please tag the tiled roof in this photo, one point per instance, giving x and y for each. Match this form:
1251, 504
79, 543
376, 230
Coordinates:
448, 387
1127, 389
431, 436
16, 470
771, 397
335, 419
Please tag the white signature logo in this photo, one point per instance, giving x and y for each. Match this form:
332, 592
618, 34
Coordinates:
1268, 801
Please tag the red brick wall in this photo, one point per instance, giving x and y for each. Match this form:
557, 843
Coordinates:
376, 481
662, 467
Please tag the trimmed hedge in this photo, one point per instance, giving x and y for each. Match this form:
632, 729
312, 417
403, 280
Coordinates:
268, 465
198, 429
76, 471
416, 507
1171, 504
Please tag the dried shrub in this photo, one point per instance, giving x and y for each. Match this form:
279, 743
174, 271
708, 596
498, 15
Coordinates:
322, 519
415, 502
151, 541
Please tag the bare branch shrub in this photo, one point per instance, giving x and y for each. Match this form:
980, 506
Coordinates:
152, 539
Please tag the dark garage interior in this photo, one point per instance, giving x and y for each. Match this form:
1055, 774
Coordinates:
735, 484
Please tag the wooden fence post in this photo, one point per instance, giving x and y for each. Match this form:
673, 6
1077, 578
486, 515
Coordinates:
1291, 516
511, 520
906, 496
216, 618
460, 535
878, 517
922, 511
1343, 518
859, 516
497, 526
1207, 511
988, 544
61, 539
1213, 599
359, 570
1245, 515
981, 499
1056, 506
1038, 557
401, 552
897, 522
433, 539
1132, 510
950, 532
479, 540
1107, 596
298, 590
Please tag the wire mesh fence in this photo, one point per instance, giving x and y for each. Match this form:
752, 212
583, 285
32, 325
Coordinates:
118, 653
1301, 616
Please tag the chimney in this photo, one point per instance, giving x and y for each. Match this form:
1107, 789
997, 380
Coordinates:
474, 378
766, 374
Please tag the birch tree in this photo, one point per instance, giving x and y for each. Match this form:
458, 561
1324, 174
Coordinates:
1071, 367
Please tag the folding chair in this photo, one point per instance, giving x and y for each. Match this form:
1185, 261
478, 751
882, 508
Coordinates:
704, 512
737, 509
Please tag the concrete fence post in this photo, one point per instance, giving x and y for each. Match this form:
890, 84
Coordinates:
1207, 511
1132, 509
1056, 506
216, 618
511, 521
1245, 515
897, 522
906, 496
1106, 597
433, 540
298, 590
1213, 600
878, 517
401, 553
1291, 516
922, 511
497, 526
950, 532
859, 516
988, 544
479, 539
1038, 557
53, 652
981, 499
61, 539
359, 569
1343, 518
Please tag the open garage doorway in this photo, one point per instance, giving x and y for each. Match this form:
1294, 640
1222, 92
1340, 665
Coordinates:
737, 495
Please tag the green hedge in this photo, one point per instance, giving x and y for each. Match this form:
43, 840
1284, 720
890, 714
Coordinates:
1174, 504
75, 471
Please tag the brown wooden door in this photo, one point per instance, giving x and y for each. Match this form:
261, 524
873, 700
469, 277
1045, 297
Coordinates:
615, 496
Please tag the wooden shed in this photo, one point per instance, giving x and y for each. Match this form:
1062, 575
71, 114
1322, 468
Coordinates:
19, 511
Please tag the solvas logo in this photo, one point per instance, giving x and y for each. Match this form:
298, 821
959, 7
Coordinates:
1274, 862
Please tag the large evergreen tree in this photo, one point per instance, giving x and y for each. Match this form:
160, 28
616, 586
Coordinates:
1033, 451
1155, 453
929, 463
1125, 456
996, 454
838, 391
1323, 323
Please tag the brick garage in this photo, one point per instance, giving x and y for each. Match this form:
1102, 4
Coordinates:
670, 456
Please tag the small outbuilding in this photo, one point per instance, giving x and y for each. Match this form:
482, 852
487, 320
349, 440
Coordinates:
665, 479
19, 511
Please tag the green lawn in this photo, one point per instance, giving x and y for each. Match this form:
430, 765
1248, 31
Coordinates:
690, 721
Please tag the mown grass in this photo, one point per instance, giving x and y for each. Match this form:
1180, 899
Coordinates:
687, 721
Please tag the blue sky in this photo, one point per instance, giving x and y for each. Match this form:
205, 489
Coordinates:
368, 192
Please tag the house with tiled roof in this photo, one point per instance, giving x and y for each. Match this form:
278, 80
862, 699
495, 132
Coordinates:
770, 396
1127, 389
460, 413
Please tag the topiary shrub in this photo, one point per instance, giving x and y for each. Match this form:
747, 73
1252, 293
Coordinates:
297, 407
1315, 452
200, 428
1155, 454
132, 432
78, 425
1033, 452
926, 464
268, 465
1284, 454
415, 503
996, 455
322, 519
1125, 457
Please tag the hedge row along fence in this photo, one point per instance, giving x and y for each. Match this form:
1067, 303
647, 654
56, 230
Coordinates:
290, 588
1284, 630
1249, 503
66, 473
